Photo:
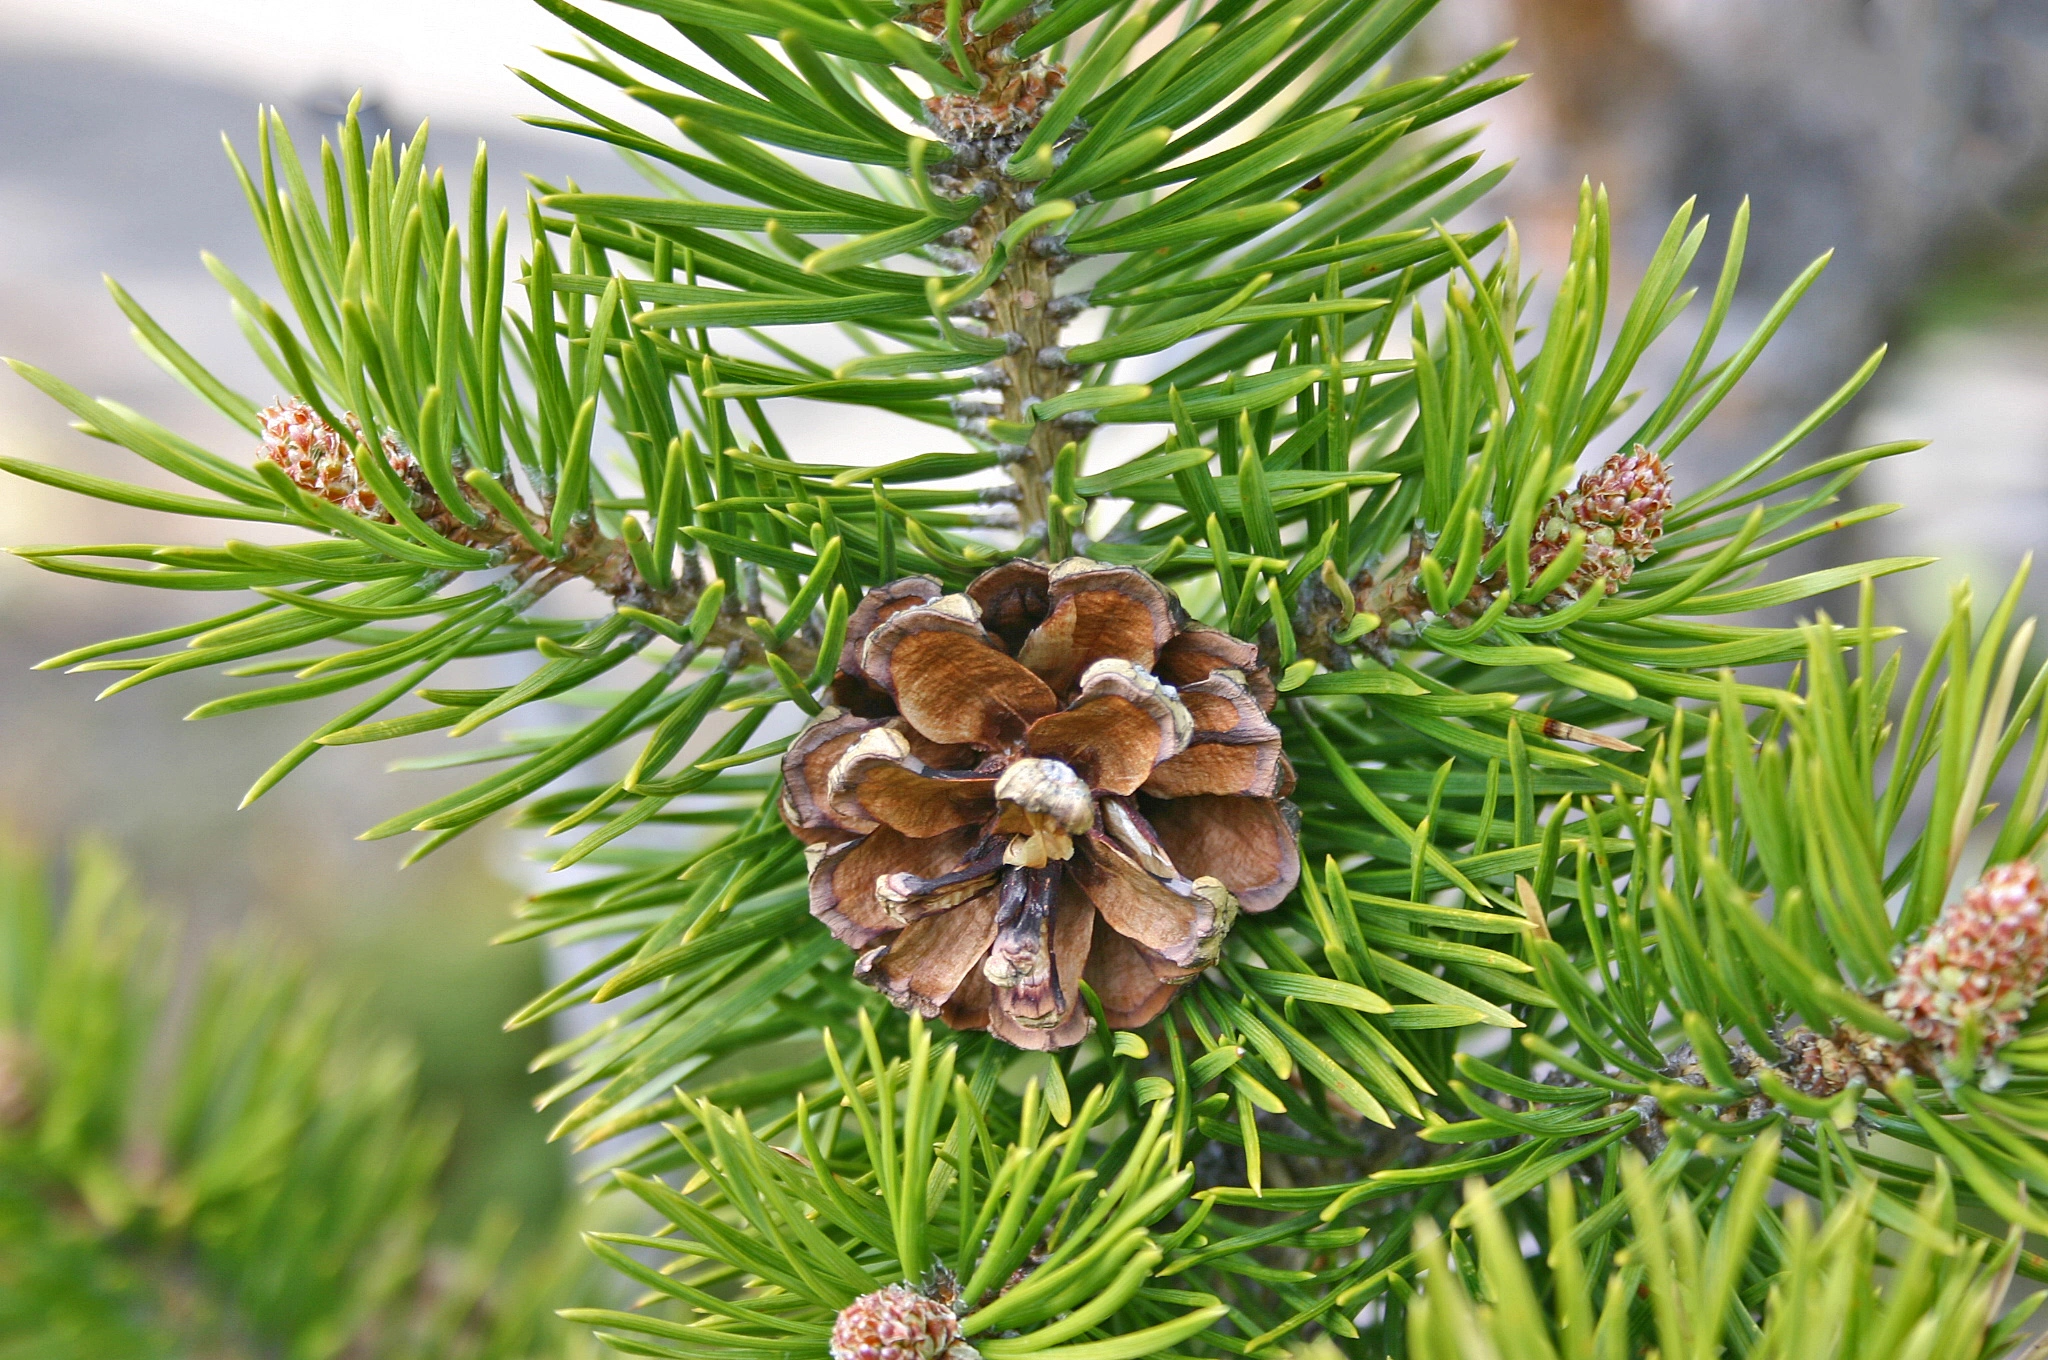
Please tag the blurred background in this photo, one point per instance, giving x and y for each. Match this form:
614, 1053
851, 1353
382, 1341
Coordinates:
1910, 136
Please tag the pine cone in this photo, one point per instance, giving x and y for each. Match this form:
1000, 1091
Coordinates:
314, 454
899, 1323
1053, 776
1980, 963
1620, 505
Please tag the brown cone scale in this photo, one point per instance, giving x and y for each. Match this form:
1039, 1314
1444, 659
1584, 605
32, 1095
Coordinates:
1049, 778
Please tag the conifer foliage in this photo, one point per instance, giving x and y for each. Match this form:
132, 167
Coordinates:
1380, 782
261, 1185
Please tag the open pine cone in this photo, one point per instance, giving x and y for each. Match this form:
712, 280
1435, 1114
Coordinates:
1053, 776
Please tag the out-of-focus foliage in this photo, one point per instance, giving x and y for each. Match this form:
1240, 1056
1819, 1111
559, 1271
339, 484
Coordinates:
240, 1169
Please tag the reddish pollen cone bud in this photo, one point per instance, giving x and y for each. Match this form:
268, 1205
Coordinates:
322, 461
1978, 966
898, 1323
1620, 507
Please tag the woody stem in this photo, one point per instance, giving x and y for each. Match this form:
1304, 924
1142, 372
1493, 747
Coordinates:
984, 129
1019, 313
607, 564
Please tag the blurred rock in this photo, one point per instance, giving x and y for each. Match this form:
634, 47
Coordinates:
1980, 498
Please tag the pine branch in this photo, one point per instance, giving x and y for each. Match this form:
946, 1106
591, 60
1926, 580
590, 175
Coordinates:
492, 517
923, 1216
1823, 1295
1548, 788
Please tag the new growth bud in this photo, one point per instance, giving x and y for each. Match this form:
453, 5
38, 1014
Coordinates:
1620, 506
898, 1323
1976, 969
316, 456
